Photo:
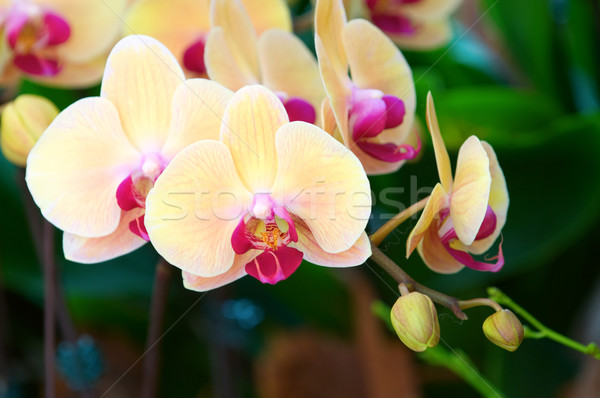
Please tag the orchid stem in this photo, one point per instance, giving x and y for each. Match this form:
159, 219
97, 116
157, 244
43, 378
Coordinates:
49, 313
389, 266
162, 278
395, 221
542, 330
466, 304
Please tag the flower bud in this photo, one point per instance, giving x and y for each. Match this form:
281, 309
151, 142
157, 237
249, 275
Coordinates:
415, 321
23, 122
504, 329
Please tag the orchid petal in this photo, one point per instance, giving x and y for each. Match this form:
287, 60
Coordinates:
470, 196
176, 23
434, 254
96, 250
237, 271
251, 120
76, 75
95, 27
323, 183
288, 66
437, 201
498, 202
355, 255
197, 109
441, 153
239, 35
330, 19
221, 64
140, 79
76, 166
426, 10
269, 14
194, 208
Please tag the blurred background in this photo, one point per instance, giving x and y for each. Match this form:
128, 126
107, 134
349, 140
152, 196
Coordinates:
522, 75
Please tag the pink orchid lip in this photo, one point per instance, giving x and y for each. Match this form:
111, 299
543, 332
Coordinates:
395, 24
193, 56
274, 266
298, 109
487, 228
30, 33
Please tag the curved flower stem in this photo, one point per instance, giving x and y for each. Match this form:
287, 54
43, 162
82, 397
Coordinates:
150, 377
394, 222
466, 304
49, 314
542, 331
389, 266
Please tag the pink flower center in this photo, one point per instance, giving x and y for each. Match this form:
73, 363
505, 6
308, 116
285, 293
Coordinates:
371, 113
277, 261
133, 190
298, 109
33, 33
487, 228
386, 15
193, 56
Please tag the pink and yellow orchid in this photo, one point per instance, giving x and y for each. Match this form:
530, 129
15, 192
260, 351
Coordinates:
464, 215
236, 57
413, 24
183, 25
92, 168
266, 195
373, 112
60, 43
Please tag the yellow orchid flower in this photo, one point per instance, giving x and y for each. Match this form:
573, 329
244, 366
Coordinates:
236, 57
266, 195
413, 24
373, 112
92, 168
183, 25
464, 215
59, 43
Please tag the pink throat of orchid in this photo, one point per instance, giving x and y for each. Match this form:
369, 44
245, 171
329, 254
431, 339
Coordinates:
133, 190
277, 261
298, 109
487, 228
33, 34
193, 56
371, 113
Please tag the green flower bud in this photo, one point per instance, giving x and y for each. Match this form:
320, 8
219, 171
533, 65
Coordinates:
23, 122
415, 321
504, 329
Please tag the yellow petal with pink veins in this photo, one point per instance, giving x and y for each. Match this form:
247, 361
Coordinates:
470, 195
269, 14
251, 120
237, 271
239, 34
113, 245
428, 35
441, 153
435, 255
194, 207
288, 66
175, 23
323, 183
355, 255
376, 63
338, 91
95, 27
76, 166
140, 79
426, 10
330, 19
198, 108
498, 202
437, 201
221, 64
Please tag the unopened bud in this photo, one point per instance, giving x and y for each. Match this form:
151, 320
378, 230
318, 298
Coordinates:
415, 321
504, 329
23, 122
